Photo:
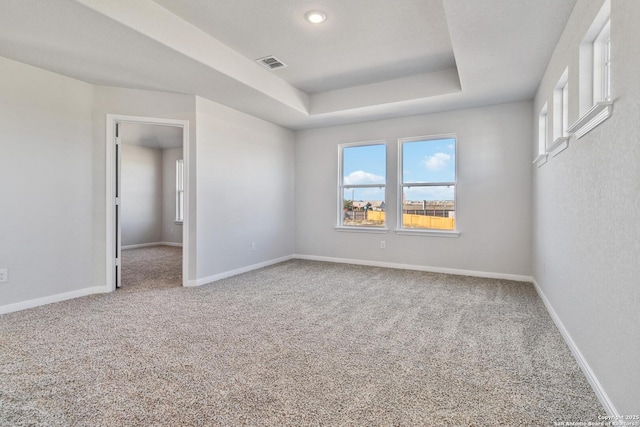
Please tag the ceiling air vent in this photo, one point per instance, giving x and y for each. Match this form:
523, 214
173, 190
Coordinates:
271, 62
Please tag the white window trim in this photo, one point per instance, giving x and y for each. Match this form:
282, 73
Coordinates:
592, 118
602, 65
341, 188
399, 211
560, 116
179, 191
543, 119
596, 104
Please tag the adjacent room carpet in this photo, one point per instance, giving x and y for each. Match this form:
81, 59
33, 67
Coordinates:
298, 343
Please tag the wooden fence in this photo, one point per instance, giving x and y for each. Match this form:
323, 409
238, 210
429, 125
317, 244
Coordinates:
418, 221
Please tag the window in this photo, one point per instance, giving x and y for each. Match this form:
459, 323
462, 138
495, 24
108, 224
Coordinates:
602, 65
363, 172
427, 184
560, 115
595, 74
179, 191
561, 107
542, 137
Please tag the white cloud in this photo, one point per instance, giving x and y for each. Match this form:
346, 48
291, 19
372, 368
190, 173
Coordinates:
437, 162
362, 177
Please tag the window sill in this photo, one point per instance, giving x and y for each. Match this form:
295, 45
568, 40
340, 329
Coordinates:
375, 230
430, 233
540, 160
559, 145
592, 118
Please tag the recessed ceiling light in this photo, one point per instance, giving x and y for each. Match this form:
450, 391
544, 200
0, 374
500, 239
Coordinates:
315, 16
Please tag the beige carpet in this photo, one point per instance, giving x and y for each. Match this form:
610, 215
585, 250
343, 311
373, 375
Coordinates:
298, 343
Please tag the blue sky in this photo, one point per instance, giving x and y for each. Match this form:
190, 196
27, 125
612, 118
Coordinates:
429, 161
364, 164
423, 161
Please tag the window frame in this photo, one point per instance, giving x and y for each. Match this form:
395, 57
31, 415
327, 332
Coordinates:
560, 140
595, 84
400, 229
179, 218
602, 64
543, 125
341, 188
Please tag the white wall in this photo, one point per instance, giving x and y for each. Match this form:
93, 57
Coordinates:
112, 100
245, 190
586, 213
171, 232
45, 183
493, 194
142, 195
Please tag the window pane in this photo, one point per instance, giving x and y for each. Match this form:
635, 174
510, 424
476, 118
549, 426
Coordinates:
429, 161
363, 207
179, 190
431, 207
364, 164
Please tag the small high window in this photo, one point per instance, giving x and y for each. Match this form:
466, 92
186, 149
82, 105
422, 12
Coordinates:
561, 107
541, 159
560, 140
602, 65
595, 74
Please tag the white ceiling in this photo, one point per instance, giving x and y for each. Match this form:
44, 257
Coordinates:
371, 59
362, 41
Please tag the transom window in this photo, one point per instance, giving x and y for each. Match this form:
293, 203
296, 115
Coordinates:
363, 178
595, 91
602, 64
561, 107
427, 183
542, 131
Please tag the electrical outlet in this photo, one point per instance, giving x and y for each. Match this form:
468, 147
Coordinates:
253, 246
4, 275
383, 244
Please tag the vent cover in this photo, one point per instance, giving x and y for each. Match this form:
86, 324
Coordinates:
271, 62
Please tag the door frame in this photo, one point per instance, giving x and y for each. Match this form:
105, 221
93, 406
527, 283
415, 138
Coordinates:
111, 163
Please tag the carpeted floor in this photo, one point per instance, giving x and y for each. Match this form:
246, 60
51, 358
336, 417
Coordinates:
298, 343
156, 267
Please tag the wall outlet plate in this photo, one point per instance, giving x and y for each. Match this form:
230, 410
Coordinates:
4, 275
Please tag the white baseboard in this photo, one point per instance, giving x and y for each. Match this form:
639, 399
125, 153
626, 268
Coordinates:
219, 276
148, 245
577, 354
23, 305
458, 272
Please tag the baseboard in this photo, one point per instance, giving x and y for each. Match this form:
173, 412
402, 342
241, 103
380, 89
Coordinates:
23, 305
220, 276
148, 245
458, 272
577, 354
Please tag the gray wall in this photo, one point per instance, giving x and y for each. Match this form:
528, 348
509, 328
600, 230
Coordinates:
112, 100
245, 190
45, 183
148, 195
493, 194
171, 232
586, 213
142, 195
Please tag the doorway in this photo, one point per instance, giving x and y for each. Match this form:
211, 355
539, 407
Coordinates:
139, 220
